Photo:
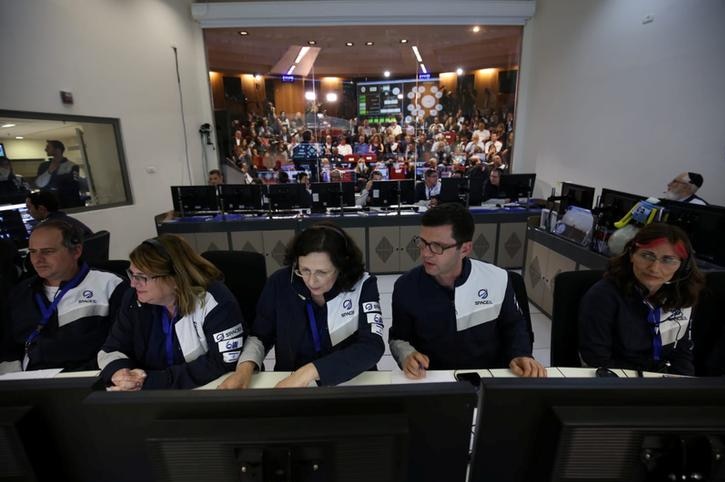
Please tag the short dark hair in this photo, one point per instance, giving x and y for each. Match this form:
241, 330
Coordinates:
302, 175
430, 172
45, 198
72, 235
327, 237
216, 171
687, 282
453, 214
57, 144
307, 136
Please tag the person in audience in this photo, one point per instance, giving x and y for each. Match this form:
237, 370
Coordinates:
683, 188
343, 148
361, 147
321, 313
428, 190
493, 146
335, 175
454, 312
43, 205
639, 316
179, 327
365, 193
59, 317
60, 175
215, 177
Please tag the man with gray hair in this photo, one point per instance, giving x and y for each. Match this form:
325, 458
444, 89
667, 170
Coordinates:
683, 188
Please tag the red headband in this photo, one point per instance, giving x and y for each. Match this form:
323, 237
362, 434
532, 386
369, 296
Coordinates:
679, 246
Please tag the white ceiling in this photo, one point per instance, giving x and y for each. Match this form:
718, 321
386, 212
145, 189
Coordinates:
36, 128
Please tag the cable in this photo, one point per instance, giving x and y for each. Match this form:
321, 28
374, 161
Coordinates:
183, 116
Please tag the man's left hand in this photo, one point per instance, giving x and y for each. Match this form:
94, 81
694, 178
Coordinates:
525, 366
300, 378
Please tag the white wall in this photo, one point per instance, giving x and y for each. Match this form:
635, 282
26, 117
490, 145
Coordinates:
606, 101
116, 58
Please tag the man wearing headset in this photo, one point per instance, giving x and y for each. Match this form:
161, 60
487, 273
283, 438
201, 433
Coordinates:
60, 317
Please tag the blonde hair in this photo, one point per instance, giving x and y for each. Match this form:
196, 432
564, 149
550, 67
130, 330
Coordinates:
170, 256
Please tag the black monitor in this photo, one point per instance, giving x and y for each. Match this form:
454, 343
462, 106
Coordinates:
286, 196
704, 226
240, 197
576, 195
416, 432
598, 429
516, 186
16, 224
385, 193
453, 190
195, 199
614, 205
328, 194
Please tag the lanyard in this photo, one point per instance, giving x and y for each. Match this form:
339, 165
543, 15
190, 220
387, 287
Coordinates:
47, 311
167, 324
653, 318
313, 327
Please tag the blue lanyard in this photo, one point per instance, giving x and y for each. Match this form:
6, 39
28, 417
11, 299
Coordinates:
47, 311
313, 327
653, 318
167, 324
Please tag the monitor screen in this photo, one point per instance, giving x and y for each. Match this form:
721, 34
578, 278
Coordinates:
704, 226
415, 432
453, 189
576, 195
16, 224
614, 205
2, 150
598, 429
516, 186
240, 197
329, 194
195, 199
385, 193
348, 175
267, 177
286, 196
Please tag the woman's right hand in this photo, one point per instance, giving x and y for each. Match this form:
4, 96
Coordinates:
240, 378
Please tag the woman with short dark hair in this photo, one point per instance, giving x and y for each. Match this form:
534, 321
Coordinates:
321, 313
639, 315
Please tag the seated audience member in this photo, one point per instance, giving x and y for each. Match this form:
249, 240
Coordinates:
321, 313
59, 317
492, 188
179, 327
335, 176
683, 188
639, 315
343, 148
215, 177
43, 205
365, 193
429, 189
454, 312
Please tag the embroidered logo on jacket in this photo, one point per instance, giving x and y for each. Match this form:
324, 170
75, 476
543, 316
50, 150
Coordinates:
483, 294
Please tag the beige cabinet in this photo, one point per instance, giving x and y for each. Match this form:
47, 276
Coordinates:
511, 242
541, 267
391, 249
272, 244
484, 242
201, 242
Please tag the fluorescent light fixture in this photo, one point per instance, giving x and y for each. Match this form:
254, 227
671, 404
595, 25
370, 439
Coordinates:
331, 97
7, 125
386, 74
303, 52
291, 69
369, 44
309, 95
19, 138
417, 54
459, 71
422, 67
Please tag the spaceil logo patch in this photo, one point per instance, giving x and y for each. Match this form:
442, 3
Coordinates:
482, 295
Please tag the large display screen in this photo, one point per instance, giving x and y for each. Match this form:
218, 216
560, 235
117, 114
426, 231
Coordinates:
405, 99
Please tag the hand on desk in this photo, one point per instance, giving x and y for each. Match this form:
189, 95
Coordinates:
524, 366
125, 380
302, 377
240, 378
415, 365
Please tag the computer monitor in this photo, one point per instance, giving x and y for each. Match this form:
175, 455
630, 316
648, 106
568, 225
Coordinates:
240, 197
615, 205
598, 429
385, 193
348, 175
286, 196
267, 177
391, 433
576, 195
16, 224
195, 199
453, 189
328, 194
517, 186
704, 226
2, 150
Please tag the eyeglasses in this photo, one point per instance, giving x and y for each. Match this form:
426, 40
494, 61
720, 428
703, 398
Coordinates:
141, 279
318, 275
435, 248
667, 261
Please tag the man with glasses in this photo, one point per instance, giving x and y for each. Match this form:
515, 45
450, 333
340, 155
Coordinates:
454, 312
60, 317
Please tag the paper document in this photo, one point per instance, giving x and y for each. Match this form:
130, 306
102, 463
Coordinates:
31, 375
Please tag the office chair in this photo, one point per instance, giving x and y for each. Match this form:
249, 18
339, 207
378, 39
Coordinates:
95, 247
569, 289
115, 266
245, 274
708, 327
517, 283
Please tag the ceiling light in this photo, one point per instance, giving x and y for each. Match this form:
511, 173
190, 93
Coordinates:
369, 44
422, 67
19, 138
417, 54
386, 74
459, 71
291, 69
7, 125
309, 95
257, 76
301, 54
404, 41
349, 44
311, 42
331, 97
476, 29
243, 33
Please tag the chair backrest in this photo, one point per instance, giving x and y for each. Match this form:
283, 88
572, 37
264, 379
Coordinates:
517, 283
569, 288
708, 327
95, 247
245, 274
116, 266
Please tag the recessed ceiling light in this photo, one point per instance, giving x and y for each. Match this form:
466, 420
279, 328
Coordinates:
7, 125
19, 137
349, 44
243, 33
459, 71
311, 42
476, 29
386, 74
369, 43
404, 41
331, 97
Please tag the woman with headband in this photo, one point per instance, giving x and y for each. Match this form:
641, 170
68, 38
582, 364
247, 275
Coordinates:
179, 327
321, 313
639, 315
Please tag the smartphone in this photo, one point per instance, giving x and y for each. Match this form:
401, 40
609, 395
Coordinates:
471, 377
